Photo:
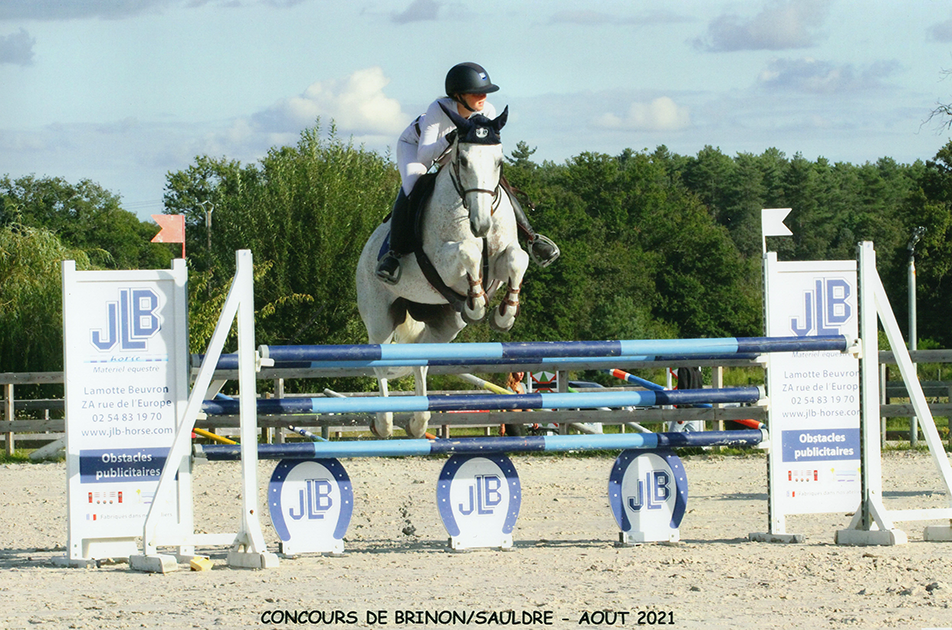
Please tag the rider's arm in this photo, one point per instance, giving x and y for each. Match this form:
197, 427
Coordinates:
434, 125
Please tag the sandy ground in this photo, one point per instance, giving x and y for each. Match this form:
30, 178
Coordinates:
564, 566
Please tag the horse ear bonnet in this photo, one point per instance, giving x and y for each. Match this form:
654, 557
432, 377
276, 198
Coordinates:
477, 129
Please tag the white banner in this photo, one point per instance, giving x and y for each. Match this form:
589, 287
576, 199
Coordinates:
126, 373
814, 396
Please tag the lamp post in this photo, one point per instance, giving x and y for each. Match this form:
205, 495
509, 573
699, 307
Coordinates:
208, 207
917, 234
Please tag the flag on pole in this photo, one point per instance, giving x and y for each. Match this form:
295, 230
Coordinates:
173, 229
771, 224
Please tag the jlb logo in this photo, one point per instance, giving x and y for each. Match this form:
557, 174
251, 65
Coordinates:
311, 502
315, 500
648, 494
129, 322
478, 497
484, 495
825, 309
652, 492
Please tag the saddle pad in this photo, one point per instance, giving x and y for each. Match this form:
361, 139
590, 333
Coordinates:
384, 247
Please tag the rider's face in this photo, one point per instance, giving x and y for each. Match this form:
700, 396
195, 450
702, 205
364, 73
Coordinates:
476, 102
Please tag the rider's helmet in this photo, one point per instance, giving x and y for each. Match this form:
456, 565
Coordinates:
468, 78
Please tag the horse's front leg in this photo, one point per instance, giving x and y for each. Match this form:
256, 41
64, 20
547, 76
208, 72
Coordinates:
382, 425
416, 428
463, 261
512, 264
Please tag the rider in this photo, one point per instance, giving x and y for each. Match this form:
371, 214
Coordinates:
426, 142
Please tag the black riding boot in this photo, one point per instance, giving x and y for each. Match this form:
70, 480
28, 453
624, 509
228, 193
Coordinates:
543, 250
401, 240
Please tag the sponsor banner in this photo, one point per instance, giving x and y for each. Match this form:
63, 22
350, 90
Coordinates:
814, 396
126, 373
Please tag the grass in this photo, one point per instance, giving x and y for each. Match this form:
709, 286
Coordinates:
20, 456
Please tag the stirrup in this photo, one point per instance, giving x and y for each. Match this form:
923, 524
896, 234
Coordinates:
388, 269
545, 241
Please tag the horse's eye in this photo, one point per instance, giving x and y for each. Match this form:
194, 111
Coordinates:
463, 161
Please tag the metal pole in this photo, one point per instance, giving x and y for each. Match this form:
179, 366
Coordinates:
208, 207
913, 333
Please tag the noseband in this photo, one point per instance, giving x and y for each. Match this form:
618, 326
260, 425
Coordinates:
462, 192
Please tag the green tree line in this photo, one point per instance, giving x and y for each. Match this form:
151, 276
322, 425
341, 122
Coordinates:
655, 244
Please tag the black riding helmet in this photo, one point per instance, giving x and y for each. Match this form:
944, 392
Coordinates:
468, 78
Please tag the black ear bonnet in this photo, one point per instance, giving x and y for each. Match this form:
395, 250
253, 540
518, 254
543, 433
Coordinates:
477, 129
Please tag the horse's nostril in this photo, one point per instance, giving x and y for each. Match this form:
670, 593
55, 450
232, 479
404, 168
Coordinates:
479, 228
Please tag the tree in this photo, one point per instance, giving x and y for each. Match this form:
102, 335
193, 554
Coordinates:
930, 206
304, 211
520, 156
31, 293
84, 216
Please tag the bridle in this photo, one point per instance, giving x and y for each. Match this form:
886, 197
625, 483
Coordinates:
462, 192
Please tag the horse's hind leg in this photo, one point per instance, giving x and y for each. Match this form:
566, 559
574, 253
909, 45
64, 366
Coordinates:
416, 428
511, 264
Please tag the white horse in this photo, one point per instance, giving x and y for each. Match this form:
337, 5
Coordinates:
468, 227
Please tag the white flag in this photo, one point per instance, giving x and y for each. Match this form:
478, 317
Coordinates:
771, 224
771, 221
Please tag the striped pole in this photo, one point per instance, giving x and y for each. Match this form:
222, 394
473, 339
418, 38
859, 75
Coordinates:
631, 378
475, 380
635, 380
230, 361
491, 402
542, 352
487, 445
307, 434
415, 353
212, 436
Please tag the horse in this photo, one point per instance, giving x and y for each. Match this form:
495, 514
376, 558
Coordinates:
469, 240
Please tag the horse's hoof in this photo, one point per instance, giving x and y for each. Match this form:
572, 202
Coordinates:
470, 319
416, 428
382, 429
476, 314
503, 324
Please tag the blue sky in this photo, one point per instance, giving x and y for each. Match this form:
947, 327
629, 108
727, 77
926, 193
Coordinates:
123, 91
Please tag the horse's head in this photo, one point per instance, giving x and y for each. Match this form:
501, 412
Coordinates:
477, 165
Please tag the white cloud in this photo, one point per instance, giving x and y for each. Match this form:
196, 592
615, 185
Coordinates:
661, 114
356, 104
780, 25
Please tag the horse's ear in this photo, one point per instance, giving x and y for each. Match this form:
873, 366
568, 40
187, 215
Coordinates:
500, 120
461, 123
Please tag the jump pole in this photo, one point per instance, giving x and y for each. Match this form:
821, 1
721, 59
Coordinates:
393, 355
487, 445
490, 402
631, 378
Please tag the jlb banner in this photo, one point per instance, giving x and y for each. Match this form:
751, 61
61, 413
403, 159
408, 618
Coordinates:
125, 354
814, 396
